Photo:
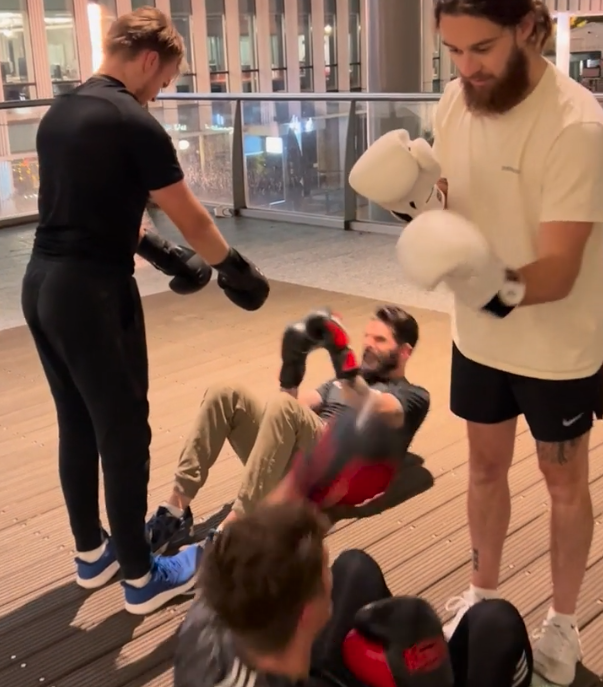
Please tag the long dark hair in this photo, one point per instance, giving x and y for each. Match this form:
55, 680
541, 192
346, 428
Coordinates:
507, 13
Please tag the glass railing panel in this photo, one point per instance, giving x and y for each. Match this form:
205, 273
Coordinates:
376, 119
202, 132
294, 154
19, 177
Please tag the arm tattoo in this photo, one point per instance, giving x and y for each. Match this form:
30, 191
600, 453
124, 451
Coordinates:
475, 559
559, 453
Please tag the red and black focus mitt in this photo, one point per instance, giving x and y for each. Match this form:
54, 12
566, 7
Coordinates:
320, 329
398, 642
350, 464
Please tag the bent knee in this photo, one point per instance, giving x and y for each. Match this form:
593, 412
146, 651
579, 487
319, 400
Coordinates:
281, 403
218, 393
356, 561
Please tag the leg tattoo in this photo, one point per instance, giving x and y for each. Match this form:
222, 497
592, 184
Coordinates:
475, 559
559, 453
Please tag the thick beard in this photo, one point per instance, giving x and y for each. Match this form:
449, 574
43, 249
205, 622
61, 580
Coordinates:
506, 93
381, 372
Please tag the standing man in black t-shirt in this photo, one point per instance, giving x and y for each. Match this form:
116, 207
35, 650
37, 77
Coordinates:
101, 156
266, 436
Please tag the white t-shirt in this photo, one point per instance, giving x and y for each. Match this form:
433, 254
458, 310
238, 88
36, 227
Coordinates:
540, 162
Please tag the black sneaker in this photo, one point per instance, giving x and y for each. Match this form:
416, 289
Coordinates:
167, 531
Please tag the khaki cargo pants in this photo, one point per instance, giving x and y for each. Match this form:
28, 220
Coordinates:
264, 436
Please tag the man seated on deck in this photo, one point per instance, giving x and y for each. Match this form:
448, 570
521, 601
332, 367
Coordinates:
271, 612
265, 437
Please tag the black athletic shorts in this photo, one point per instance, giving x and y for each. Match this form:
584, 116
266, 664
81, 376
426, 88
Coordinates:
555, 410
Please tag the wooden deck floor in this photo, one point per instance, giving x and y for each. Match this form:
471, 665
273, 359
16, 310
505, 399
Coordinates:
55, 634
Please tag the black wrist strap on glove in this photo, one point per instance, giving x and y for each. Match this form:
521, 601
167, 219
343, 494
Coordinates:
508, 298
161, 253
233, 263
189, 271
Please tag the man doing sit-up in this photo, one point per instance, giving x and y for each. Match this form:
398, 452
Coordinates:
266, 436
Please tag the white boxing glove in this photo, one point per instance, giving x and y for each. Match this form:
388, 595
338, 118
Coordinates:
398, 174
441, 246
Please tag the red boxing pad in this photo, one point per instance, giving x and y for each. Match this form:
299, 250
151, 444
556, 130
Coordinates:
398, 642
367, 661
349, 464
358, 483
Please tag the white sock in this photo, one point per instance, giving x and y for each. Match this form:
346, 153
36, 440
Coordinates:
562, 618
481, 594
92, 556
140, 582
176, 512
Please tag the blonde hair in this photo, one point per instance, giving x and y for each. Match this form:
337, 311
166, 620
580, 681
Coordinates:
146, 28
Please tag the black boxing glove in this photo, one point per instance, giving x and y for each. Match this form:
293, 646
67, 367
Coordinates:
242, 282
327, 328
297, 344
189, 271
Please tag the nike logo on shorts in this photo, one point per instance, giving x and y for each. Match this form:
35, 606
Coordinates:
572, 421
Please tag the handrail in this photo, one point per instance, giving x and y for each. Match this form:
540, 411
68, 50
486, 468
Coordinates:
355, 121
354, 97
307, 97
22, 104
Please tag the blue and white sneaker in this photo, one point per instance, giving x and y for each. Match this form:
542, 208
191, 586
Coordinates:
97, 574
170, 577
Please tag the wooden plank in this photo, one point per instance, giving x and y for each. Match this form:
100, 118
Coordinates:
55, 633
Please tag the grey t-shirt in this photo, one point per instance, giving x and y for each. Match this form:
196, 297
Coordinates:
415, 401
206, 656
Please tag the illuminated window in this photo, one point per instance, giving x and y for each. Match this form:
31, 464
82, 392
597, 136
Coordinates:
62, 45
16, 63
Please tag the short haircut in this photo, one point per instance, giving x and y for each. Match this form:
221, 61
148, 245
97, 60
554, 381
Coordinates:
507, 13
262, 570
403, 325
146, 28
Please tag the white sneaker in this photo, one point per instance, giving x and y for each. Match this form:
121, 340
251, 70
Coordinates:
556, 651
459, 605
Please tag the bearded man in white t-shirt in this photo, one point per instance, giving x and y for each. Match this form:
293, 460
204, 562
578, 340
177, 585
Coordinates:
518, 164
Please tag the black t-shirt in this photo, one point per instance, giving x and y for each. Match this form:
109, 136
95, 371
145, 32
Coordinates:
414, 400
100, 154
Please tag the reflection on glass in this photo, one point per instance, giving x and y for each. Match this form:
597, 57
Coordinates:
304, 43
330, 44
181, 12
416, 117
355, 47
586, 46
62, 46
16, 63
277, 45
101, 15
248, 46
19, 176
216, 46
301, 168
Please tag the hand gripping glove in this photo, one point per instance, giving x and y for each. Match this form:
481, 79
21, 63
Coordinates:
441, 246
189, 271
242, 282
398, 174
